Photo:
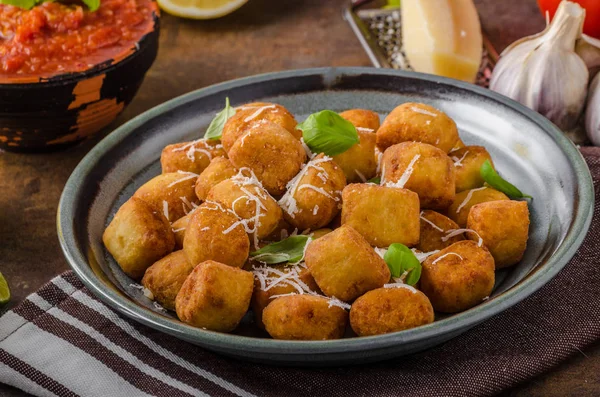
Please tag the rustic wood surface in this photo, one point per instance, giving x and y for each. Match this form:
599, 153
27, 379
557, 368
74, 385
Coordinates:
263, 36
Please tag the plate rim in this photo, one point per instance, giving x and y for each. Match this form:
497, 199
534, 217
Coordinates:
530, 284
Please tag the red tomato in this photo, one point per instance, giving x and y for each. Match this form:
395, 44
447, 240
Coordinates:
591, 26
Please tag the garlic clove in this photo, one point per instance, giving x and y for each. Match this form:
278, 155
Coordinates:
592, 112
544, 73
588, 48
528, 41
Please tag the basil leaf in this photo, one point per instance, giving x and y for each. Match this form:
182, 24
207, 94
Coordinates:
400, 259
93, 5
376, 180
26, 4
215, 129
492, 178
328, 132
290, 249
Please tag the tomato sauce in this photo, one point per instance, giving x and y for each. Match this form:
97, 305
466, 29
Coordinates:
55, 38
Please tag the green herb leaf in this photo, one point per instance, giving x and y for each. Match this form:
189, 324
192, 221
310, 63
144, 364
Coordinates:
93, 5
290, 249
391, 4
328, 132
26, 4
400, 259
215, 129
492, 178
376, 180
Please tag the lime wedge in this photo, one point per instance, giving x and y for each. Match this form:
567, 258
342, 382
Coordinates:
4, 291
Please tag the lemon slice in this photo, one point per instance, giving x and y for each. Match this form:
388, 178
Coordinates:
200, 9
4, 290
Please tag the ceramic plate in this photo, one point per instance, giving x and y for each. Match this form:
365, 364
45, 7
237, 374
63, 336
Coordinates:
529, 150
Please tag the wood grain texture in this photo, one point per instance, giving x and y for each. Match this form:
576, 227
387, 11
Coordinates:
263, 36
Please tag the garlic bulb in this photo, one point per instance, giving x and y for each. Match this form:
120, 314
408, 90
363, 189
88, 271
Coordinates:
588, 48
592, 112
544, 73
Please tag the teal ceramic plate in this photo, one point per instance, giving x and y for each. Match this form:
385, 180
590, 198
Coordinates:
527, 148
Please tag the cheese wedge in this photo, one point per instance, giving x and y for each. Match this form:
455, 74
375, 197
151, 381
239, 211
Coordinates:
442, 37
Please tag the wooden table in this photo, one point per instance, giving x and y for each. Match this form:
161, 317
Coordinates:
263, 36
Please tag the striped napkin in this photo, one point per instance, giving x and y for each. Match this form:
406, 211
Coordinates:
61, 341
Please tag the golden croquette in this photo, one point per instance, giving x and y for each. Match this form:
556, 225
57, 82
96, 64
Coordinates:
271, 153
214, 296
138, 236
417, 122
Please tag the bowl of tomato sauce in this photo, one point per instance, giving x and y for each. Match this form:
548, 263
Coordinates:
66, 71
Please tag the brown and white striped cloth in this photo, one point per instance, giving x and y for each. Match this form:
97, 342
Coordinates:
61, 341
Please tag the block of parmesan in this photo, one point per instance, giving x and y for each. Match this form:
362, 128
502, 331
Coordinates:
442, 37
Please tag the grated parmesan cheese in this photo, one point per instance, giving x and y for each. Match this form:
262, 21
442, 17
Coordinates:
188, 206
401, 285
322, 176
379, 155
315, 209
333, 301
363, 129
269, 277
457, 161
258, 112
380, 251
246, 183
361, 176
189, 175
292, 278
158, 307
289, 275
181, 229
401, 278
318, 190
191, 149
147, 293
288, 202
422, 111
431, 223
283, 234
247, 134
445, 255
309, 152
217, 206
468, 198
166, 209
405, 175
454, 232
421, 256
246, 107
282, 295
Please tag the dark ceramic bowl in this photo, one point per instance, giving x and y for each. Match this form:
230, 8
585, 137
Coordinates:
526, 147
45, 114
